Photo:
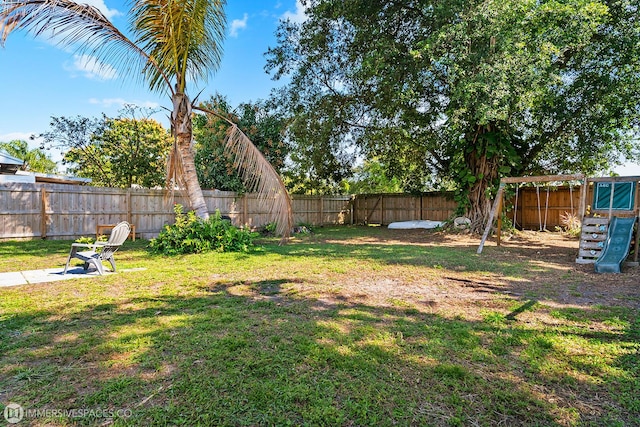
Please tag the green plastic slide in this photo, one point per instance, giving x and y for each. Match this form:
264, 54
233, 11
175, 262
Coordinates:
616, 248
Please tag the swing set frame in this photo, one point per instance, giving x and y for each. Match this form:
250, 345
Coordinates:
498, 202
582, 204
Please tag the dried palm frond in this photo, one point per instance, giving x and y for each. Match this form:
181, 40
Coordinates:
175, 171
259, 176
571, 223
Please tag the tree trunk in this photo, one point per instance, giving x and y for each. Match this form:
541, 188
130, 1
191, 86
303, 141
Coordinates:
181, 127
485, 169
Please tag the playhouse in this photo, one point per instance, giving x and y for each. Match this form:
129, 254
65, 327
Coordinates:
607, 208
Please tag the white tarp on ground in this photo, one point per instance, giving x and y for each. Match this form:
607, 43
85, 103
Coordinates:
406, 225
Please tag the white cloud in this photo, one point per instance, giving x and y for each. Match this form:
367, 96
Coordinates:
91, 68
12, 136
628, 169
121, 102
99, 4
298, 16
238, 24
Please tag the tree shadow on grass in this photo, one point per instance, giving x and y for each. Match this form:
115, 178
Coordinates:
256, 353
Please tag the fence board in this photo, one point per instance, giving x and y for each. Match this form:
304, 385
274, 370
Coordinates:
74, 211
387, 208
436, 206
533, 207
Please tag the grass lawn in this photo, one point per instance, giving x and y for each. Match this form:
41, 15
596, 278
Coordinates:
350, 326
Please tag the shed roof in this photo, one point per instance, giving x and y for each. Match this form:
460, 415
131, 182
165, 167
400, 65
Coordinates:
9, 164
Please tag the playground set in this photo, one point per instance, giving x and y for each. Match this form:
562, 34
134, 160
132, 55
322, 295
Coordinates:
608, 224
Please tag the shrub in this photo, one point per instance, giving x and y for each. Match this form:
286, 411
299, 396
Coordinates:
190, 234
571, 224
90, 240
269, 229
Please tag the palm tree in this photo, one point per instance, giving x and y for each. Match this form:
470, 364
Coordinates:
173, 42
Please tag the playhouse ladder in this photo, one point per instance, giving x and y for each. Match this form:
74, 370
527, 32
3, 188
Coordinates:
592, 239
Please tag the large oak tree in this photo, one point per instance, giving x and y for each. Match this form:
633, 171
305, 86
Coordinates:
469, 90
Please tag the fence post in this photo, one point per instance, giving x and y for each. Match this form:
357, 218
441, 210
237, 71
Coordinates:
43, 213
245, 208
128, 203
352, 207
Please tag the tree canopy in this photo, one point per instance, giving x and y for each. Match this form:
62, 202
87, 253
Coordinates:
465, 92
371, 177
258, 120
113, 152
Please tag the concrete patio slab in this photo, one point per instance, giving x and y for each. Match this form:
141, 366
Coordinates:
51, 275
12, 279
55, 274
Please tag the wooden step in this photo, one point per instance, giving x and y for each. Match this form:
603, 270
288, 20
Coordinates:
595, 221
592, 245
593, 236
594, 229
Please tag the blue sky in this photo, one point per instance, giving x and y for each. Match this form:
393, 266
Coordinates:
40, 80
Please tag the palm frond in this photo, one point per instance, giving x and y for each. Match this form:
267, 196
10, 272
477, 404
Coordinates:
184, 36
175, 173
70, 24
259, 176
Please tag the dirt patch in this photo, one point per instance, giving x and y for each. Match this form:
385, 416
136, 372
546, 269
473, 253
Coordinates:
564, 281
552, 275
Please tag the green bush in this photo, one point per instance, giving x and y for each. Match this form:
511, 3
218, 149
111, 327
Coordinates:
190, 234
90, 240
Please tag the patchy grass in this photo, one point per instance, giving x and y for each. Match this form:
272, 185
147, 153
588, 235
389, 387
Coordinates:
347, 326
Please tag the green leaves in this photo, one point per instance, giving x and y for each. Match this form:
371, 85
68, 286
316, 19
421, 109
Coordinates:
190, 234
37, 160
215, 166
466, 90
183, 38
113, 152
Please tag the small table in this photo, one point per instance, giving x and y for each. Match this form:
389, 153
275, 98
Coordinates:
102, 227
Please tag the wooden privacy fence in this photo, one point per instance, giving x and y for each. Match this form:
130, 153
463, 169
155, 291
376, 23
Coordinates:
534, 205
70, 211
387, 208
540, 206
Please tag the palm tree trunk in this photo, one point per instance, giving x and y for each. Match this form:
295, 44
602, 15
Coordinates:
181, 127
